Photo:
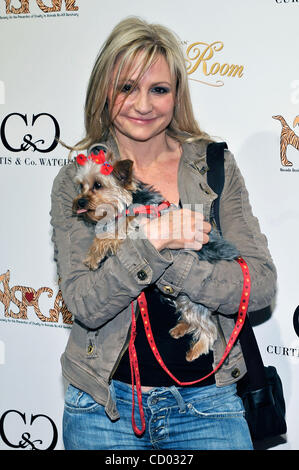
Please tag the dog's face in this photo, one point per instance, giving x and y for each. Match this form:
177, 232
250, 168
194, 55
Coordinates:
103, 195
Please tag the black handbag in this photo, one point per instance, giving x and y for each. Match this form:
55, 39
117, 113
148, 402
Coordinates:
261, 389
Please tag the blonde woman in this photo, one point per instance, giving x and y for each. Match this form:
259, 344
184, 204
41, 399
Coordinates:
138, 105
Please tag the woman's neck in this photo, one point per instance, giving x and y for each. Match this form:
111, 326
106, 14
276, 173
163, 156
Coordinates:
149, 153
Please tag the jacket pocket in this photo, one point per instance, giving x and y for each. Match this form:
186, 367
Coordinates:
91, 346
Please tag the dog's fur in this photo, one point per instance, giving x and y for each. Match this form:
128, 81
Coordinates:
103, 200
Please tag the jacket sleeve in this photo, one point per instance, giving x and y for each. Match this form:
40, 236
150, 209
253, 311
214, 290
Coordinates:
95, 297
218, 286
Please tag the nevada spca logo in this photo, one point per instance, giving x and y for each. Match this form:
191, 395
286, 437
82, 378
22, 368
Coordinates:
13, 7
288, 138
25, 297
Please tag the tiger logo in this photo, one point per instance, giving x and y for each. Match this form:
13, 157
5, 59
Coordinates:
56, 6
287, 137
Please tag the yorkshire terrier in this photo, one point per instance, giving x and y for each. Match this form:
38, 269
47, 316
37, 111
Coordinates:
112, 199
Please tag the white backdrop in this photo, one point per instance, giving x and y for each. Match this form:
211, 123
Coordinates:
245, 72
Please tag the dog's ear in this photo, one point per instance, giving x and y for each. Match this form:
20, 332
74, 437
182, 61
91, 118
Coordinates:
123, 171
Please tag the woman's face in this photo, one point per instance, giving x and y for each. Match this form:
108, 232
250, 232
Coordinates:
147, 111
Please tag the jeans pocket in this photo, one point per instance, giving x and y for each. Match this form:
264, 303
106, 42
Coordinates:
223, 405
77, 400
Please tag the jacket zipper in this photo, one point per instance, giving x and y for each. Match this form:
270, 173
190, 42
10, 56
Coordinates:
213, 223
212, 217
222, 337
125, 347
219, 327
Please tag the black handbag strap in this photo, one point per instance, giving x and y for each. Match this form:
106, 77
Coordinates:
249, 346
215, 175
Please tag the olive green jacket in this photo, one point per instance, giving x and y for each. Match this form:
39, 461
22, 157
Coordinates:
100, 300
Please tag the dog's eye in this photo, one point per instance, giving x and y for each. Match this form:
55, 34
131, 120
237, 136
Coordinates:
97, 185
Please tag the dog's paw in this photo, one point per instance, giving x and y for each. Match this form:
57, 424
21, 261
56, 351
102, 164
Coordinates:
91, 263
197, 349
179, 330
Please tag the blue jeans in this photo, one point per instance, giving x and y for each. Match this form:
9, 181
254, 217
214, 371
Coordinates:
178, 418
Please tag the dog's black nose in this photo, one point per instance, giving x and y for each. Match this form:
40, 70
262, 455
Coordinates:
82, 202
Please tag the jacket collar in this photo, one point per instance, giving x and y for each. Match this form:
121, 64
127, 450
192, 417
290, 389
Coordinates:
192, 176
192, 173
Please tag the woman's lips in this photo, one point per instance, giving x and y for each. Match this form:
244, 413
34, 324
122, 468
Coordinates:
141, 120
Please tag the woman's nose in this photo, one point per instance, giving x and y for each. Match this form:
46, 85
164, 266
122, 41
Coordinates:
142, 102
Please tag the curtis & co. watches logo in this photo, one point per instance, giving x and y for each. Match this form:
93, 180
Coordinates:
30, 139
27, 431
27, 141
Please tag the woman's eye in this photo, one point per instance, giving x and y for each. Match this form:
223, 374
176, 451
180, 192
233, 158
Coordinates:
161, 90
97, 185
126, 88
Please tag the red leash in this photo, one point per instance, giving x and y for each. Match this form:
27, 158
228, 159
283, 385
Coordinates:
144, 313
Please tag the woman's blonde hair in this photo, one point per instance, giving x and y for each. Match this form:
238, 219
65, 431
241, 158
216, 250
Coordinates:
129, 38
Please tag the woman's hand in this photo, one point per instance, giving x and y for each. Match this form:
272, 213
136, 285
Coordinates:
177, 229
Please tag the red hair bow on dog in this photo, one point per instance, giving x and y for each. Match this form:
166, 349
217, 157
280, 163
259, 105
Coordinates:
100, 159
81, 159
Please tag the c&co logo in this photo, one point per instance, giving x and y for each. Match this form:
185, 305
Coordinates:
203, 61
13, 7
290, 352
296, 321
30, 135
23, 298
28, 142
14, 419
